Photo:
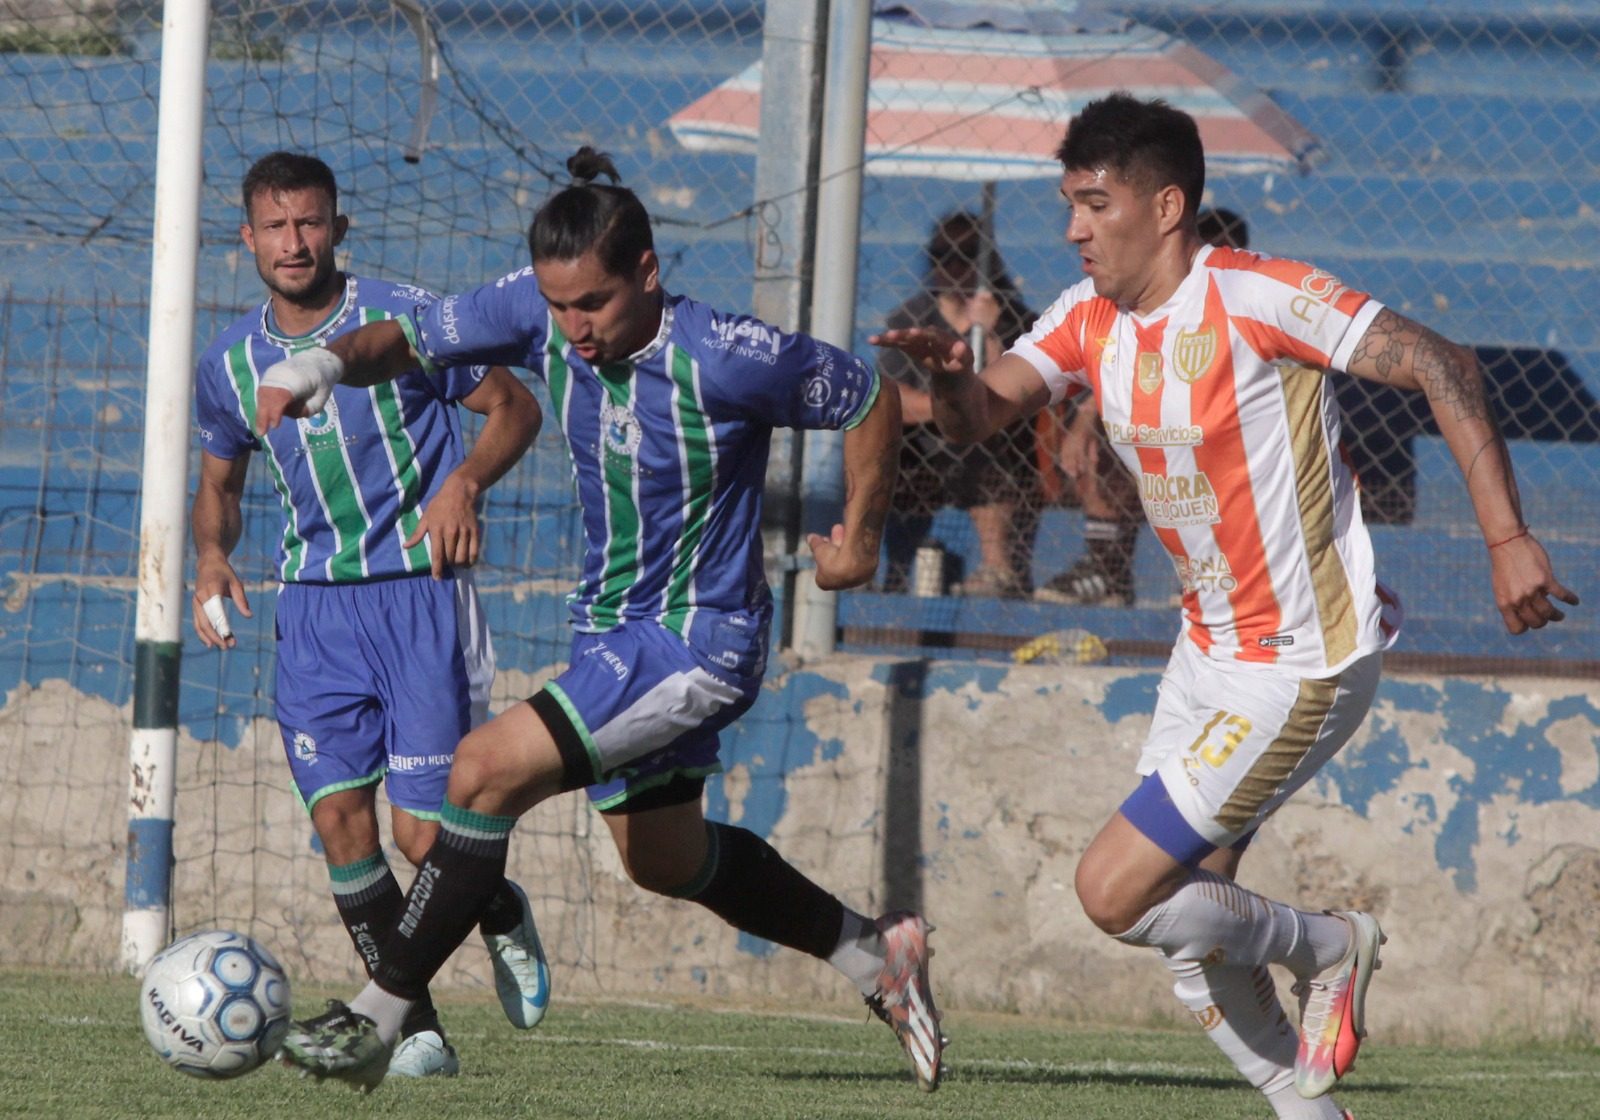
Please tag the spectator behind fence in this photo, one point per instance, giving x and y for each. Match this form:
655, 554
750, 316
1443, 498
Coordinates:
993, 481
1112, 515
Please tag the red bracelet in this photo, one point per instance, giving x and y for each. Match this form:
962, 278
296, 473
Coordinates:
1513, 537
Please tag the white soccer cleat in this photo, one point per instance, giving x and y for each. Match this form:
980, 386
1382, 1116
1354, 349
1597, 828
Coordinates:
521, 973
1333, 1010
424, 1054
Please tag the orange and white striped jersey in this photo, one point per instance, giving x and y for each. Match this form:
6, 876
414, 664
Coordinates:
1219, 404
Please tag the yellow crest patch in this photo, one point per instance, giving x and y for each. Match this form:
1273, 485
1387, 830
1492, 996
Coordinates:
1148, 371
1193, 352
1210, 1018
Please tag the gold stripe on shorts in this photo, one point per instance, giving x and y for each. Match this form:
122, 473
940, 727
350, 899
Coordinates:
1295, 740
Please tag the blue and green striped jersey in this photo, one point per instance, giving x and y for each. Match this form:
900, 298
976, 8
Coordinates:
669, 448
353, 478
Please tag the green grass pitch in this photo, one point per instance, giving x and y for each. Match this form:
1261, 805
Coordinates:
70, 1046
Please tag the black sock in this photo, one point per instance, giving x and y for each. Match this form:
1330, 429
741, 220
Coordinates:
457, 878
750, 886
503, 912
369, 902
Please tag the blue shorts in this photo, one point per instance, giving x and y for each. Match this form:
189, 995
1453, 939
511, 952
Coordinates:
378, 679
638, 707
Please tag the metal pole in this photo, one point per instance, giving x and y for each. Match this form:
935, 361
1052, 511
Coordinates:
152, 752
983, 267
792, 39
833, 307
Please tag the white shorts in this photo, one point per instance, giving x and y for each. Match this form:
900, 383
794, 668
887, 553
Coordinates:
1230, 742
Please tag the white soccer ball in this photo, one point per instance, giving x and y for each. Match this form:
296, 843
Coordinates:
214, 1004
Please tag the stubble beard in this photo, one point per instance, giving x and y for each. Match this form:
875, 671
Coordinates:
315, 294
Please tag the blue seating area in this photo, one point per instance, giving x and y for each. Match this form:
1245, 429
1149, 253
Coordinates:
1462, 195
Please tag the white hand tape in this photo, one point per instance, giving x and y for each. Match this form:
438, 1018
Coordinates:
217, 615
309, 377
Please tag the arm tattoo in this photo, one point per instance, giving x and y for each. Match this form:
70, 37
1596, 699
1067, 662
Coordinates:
1448, 374
1383, 345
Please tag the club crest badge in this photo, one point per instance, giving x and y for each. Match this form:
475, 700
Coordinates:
323, 423
619, 430
1148, 371
1193, 352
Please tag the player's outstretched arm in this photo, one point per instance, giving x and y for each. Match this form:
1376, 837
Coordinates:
849, 557
301, 384
215, 523
511, 421
1407, 355
968, 407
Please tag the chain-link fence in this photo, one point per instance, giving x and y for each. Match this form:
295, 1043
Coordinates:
1454, 177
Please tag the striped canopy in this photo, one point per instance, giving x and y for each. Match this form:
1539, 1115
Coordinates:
985, 103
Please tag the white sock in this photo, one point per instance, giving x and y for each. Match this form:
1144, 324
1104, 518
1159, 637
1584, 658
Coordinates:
1238, 1008
1212, 919
387, 1010
860, 953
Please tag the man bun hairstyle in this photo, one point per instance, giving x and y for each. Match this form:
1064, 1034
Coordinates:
1149, 144
288, 171
606, 219
586, 165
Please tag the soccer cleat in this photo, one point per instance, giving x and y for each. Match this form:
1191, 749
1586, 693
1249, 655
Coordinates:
339, 1044
904, 999
521, 973
1087, 583
1333, 1010
424, 1054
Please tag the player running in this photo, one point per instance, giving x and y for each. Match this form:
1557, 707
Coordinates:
668, 408
1194, 355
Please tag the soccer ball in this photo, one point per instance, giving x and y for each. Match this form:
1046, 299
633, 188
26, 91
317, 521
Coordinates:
214, 1004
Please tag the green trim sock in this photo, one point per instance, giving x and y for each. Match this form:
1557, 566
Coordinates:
747, 884
456, 880
369, 902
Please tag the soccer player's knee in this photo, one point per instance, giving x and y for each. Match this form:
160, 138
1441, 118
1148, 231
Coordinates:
476, 767
347, 827
1102, 903
414, 837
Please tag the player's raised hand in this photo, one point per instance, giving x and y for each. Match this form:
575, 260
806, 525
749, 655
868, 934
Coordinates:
215, 582
300, 385
451, 520
841, 563
1524, 583
937, 351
